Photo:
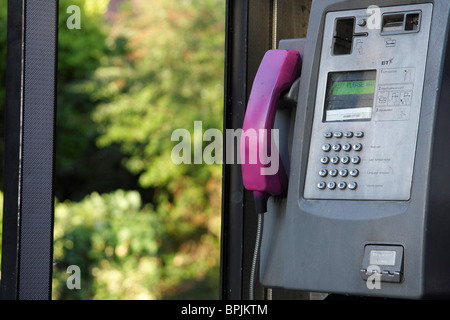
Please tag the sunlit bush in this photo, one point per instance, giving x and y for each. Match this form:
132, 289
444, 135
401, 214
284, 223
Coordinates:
119, 246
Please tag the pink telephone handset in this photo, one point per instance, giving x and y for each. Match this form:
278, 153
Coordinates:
277, 72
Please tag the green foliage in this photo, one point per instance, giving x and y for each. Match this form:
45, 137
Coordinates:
171, 77
174, 77
79, 55
114, 242
120, 246
81, 52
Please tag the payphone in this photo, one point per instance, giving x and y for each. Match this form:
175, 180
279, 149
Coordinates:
366, 209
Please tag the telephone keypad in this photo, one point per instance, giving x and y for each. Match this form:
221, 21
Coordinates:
343, 173
337, 147
348, 134
345, 160
357, 147
333, 173
325, 160
352, 185
326, 147
342, 185
321, 185
323, 173
354, 173
347, 147
335, 160
343, 154
356, 160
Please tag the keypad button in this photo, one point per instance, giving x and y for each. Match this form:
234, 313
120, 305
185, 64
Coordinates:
321, 185
347, 147
337, 147
338, 134
343, 173
357, 147
352, 185
333, 172
323, 173
348, 134
335, 160
359, 134
331, 185
345, 160
342, 185
325, 160
356, 160
354, 172
326, 147
328, 135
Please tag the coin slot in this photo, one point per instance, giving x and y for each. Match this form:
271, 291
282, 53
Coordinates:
343, 36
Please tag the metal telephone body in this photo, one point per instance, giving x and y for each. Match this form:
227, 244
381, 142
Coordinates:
363, 147
368, 190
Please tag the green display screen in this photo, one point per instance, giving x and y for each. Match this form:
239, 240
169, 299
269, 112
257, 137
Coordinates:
342, 88
350, 95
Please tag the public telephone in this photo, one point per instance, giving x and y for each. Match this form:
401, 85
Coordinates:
367, 205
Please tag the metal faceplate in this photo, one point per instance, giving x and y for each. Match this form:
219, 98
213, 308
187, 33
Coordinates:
372, 156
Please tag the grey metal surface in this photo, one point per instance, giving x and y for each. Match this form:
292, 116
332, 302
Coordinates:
389, 142
319, 245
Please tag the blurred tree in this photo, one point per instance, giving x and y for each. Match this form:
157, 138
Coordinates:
171, 77
81, 52
114, 241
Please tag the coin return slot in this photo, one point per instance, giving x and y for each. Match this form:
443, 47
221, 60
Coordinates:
412, 22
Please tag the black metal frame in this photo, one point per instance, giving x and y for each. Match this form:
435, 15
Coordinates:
12, 150
239, 220
233, 191
27, 248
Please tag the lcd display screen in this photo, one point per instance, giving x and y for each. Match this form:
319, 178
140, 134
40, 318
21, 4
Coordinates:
350, 96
